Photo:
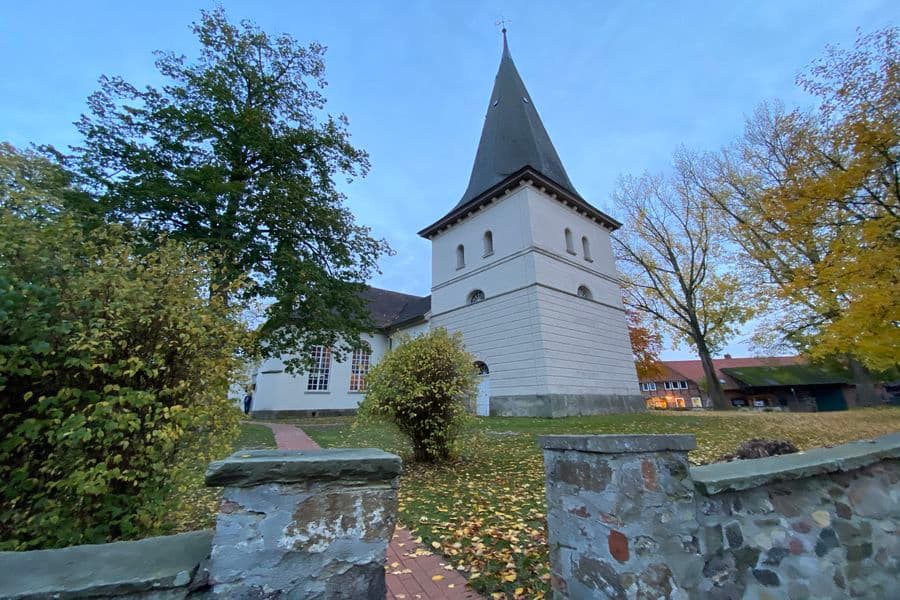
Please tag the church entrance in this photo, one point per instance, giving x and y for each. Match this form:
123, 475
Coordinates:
483, 399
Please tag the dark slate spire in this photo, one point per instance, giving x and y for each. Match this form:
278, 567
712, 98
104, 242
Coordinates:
513, 136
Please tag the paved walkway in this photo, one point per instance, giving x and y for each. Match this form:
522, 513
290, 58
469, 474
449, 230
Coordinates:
412, 571
289, 437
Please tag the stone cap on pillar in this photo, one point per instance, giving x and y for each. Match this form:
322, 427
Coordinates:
250, 468
619, 444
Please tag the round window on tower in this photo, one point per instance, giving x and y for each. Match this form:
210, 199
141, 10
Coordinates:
476, 296
584, 292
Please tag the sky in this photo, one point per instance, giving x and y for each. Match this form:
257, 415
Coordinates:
619, 84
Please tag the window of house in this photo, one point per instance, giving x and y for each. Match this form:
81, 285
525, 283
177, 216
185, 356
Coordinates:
570, 246
649, 386
586, 248
584, 292
670, 385
682, 385
460, 257
359, 368
476, 296
488, 243
657, 403
679, 403
320, 370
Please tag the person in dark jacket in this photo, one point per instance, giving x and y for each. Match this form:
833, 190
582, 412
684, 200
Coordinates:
248, 401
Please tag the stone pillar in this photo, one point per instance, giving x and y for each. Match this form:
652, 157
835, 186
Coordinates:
303, 524
621, 517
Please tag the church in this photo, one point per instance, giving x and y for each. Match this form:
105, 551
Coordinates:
522, 266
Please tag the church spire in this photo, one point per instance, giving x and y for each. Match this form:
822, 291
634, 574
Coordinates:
513, 136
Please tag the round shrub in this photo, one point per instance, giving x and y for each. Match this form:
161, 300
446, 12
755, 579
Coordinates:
422, 387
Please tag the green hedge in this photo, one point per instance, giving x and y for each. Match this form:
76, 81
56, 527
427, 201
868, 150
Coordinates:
113, 366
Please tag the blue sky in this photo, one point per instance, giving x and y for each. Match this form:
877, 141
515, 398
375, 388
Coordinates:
618, 84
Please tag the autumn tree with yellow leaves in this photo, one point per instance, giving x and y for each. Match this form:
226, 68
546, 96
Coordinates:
812, 199
675, 268
646, 344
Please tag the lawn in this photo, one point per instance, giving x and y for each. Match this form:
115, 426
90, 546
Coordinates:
198, 504
485, 511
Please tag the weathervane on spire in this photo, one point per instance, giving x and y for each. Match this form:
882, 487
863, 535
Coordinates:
502, 22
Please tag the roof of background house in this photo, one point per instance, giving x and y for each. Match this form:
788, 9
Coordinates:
665, 373
693, 369
389, 309
783, 375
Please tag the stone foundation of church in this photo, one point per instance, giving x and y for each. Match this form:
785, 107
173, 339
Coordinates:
565, 405
269, 415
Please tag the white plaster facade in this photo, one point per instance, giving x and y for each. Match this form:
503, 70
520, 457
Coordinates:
281, 392
537, 336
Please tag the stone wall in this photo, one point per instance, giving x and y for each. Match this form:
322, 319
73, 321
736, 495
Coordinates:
628, 518
154, 568
311, 525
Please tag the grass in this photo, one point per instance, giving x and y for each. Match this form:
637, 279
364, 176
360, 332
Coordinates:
253, 437
198, 504
485, 511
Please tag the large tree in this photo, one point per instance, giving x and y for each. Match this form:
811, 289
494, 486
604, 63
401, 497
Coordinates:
812, 198
236, 152
673, 266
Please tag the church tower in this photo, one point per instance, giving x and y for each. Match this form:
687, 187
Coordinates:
523, 267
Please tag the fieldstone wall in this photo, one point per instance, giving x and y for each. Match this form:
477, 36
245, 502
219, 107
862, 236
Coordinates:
160, 568
628, 518
312, 525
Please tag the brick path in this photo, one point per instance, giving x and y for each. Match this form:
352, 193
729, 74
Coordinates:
288, 437
412, 571
411, 568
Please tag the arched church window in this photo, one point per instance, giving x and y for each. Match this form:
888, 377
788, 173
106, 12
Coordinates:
460, 257
482, 368
586, 248
584, 292
476, 296
488, 243
570, 246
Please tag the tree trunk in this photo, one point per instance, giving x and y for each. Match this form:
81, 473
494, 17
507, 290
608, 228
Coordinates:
713, 385
218, 284
866, 394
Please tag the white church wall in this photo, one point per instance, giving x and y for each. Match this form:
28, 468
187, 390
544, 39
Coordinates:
549, 221
586, 346
502, 331
508, 221
500, 276
412, 331
278, 391
567, 276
